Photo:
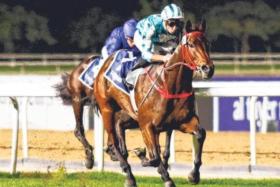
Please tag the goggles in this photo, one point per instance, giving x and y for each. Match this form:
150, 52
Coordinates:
173, 23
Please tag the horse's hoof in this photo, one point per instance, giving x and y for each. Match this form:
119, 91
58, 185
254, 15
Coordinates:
169, 184
89, 163
130, 183
194, 177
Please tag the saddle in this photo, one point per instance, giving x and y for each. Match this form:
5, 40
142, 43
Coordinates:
120, 68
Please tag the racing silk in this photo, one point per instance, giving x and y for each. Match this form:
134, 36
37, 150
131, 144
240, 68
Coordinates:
152, 38
117, 41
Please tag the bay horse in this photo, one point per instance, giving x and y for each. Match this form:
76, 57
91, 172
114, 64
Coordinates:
165, 102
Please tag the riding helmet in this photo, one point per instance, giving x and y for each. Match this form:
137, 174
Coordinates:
129, 28
172, 11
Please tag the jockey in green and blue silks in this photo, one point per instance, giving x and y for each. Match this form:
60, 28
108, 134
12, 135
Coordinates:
157, 35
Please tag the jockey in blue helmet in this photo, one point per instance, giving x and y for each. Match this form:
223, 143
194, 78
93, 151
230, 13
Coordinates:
121, 38
158, 35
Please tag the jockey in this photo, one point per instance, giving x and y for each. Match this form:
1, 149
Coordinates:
158, 35
121, 38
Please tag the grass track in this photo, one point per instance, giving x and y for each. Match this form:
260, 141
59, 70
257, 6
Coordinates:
106, 179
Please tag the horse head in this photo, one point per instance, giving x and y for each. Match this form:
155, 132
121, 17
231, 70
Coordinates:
195, 51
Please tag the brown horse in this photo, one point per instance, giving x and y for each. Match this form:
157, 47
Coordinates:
73, 91
78, 95
165, 99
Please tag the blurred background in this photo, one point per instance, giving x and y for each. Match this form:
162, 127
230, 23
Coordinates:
52, 26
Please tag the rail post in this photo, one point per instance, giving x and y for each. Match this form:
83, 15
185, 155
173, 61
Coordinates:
172, 148
23, 122
98, 142
252, 133
14, 137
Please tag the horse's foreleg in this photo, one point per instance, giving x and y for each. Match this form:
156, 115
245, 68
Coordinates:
108, 121
150, 142
110, 148
199, 135
120, 141
151, 139
120, 132
198, 140
162, 170
79, 130
166, 152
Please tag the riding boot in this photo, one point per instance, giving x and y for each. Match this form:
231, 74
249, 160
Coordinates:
127, 84
140, 63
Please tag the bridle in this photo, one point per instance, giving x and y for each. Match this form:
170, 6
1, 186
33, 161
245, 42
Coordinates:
185, 51
188, 61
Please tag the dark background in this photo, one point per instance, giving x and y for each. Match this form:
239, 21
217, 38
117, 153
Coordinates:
63, 14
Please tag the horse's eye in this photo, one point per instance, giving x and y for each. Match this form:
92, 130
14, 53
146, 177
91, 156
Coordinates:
190, 45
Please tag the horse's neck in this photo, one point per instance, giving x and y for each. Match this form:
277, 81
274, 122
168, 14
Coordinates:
176, 56
179, 78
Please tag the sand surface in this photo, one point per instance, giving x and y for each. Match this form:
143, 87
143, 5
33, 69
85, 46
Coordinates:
224, 148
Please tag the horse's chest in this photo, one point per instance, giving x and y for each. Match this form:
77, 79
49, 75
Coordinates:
180, 114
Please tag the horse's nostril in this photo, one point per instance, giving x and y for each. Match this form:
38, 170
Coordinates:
205, 68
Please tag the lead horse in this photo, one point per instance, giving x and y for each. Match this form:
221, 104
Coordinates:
165, 100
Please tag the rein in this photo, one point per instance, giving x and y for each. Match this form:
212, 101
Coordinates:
163, 89
186, 55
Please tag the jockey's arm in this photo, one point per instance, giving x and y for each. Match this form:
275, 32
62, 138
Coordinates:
145, 46
112, 44
161, 58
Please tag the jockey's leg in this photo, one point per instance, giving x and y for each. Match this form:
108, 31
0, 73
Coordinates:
199, 135
126, 69
140, 62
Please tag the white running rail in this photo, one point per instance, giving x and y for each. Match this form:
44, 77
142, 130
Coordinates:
252, 89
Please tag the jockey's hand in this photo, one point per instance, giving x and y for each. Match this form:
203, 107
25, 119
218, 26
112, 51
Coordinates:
166, 58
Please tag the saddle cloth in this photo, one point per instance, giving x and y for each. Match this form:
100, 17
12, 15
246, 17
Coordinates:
122, 64
89, 74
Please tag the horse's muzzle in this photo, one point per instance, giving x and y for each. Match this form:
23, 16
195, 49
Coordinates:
204, 72
210, 71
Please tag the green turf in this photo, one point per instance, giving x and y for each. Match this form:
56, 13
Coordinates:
106, 179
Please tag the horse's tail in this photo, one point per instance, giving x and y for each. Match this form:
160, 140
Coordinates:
61, 89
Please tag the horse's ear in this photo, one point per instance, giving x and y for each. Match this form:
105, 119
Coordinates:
202, 26
188, 26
